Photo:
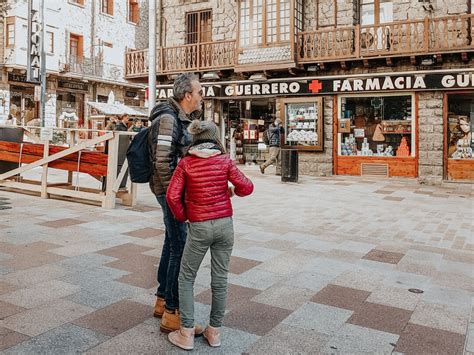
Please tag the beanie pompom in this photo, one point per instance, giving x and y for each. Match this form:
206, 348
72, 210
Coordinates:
195, 127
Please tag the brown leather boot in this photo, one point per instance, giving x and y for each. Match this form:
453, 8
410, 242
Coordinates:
170, 321
183, 338
159, 307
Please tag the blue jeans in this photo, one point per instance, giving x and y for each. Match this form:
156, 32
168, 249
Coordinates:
168, 270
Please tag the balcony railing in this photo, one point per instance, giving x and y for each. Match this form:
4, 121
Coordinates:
190, 57
446, 34
82, 65
414, 37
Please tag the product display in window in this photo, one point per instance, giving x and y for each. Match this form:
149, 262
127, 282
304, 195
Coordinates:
376, 126
460, 141
303, 123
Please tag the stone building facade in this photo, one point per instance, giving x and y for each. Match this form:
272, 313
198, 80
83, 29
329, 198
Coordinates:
339, 39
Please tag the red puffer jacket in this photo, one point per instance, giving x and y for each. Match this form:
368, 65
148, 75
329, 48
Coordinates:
203, 184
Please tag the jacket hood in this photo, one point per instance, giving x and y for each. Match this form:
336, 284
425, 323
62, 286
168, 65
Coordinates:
205, 150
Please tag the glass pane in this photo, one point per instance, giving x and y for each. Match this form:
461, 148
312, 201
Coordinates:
301, 124
460, 126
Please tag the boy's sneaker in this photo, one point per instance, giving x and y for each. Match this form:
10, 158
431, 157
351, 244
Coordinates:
213, 336
171, 321
183, 338
159, 307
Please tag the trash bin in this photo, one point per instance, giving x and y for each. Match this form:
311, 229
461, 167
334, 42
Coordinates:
289, 165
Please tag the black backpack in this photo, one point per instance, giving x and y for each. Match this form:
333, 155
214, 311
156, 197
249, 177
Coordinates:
140, 164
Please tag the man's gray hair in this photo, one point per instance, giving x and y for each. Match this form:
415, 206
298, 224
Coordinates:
183, 84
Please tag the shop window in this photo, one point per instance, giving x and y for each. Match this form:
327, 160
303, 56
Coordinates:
10, 32
50, 42
199, 27
133, 11
460, 126
107, 7
264, 22
381, 126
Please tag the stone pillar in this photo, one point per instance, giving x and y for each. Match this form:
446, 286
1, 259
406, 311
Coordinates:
430, 137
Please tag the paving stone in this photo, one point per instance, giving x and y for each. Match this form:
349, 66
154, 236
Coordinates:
146, 233
116, 318
440, 317
144, 280
255, 318
308, 280
379, 317
35, 275
39, 320
124, 251
360, 280
283, 339
291, 262
341, 297
136, 263
39, 294
417, 339
257, 253
283, 296
383, 256
240, 265
236, 296
93, 278
254, 278
446, 296
62, 223
358, 247
328, 320
85, 261
9, 338
352, 339
66, 339
26, 261
394, 297
6, 287
317, 245
327, 266
8, 309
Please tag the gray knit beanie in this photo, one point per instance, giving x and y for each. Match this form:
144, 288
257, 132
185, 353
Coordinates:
204, 131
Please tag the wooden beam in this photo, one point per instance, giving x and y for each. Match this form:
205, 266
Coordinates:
56, 156
109, 201
44, 175
123, 170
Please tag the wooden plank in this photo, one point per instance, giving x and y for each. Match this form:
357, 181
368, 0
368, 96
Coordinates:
76, 194
109, 201
56, 156
88, 168
44, 175
401, 167
122, 172
461, 169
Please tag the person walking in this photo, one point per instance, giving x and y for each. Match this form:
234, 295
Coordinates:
122, 124
274, 133
199, 193
168, 139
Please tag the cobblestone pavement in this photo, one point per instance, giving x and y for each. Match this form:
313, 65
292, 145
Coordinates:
328, 265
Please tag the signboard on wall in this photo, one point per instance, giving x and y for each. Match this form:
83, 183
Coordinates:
74, 85
330, 86
34, 50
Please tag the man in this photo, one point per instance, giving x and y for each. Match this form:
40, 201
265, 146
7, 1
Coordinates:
168, 138
274, 132
136, 126
122, 125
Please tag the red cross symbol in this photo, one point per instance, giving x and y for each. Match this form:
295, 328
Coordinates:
315, 86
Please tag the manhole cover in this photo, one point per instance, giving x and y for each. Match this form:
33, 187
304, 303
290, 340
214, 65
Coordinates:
415, 290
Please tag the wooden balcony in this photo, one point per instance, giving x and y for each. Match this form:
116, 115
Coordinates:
428, 36
190, 57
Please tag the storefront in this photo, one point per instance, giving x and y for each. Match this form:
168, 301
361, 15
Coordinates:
459, 139
22, 99
70, 103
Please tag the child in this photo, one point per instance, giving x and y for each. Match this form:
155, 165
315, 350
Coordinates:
199, 193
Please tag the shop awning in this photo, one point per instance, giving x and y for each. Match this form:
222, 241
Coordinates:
117, 109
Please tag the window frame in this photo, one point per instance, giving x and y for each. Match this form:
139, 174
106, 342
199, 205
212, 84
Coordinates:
109, 5
264, 29
376, 5
199, 15
133, 12
80, 3
80, 43
10, 22
50, 43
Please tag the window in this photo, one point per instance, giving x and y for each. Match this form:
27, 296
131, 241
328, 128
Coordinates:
10, 32
460, 126
107, 7
264, 22
50, 42
379, 126
133, 11
75, 47
375, 12
199, 27
77, 2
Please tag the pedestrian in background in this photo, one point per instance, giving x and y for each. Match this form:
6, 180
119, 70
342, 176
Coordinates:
112, 124
169, 139
199, 193
137, 126
274, 132
122, 125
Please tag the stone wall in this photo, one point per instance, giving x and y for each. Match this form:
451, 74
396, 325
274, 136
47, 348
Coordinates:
430, 128
224, 20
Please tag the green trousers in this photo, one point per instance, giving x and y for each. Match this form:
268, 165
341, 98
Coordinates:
218, 236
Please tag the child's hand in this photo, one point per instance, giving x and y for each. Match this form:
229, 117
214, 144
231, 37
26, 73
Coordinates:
230, 191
